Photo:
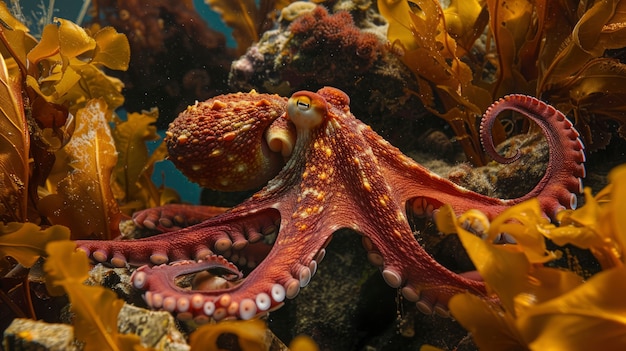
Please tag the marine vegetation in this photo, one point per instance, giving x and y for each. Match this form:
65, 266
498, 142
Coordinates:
60, 159
474, 52
95, 308
248, 20
538, 307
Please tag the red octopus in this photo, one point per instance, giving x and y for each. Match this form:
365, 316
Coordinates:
339, 174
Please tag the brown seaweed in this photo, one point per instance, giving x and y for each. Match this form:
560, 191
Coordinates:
539, 307
95, 308
246, 19
553, 50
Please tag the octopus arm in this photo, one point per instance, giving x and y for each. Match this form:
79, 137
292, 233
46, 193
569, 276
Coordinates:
273, 279
171, 217
556, 190
232, 230
563, 177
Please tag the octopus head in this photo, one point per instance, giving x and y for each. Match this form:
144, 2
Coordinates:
231, 142
306, 110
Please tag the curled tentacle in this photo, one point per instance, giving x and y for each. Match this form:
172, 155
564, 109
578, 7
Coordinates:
263, 290
565, 169
281, 137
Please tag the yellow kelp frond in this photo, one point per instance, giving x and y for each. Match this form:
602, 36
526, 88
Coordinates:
251, 335
95, 308
536, 307
600, 225
69, 58
26, 242
80, 187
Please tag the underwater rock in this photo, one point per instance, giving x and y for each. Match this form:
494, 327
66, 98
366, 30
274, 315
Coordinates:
27, 334
345, 47
157, 329
118, 280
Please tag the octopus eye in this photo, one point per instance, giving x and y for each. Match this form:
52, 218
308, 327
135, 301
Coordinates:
306, 109
303, 106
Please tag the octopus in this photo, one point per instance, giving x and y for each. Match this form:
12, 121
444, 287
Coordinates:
323, 170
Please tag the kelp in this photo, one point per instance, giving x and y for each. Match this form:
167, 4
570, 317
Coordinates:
556, 50
80, 184
576, 75
70, 57
95, 308
57, 116
133, 171
246, 19
26, 242
419, 32
58, 152
45, 84
21, 246
599, 226
542, 307
14, 143
252, 335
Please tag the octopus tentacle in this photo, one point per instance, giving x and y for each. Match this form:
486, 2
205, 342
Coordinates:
217, 235
565, 168
174, 216
162, 292
264, 289
425, 191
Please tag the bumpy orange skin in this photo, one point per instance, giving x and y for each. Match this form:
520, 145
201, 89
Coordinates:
221, 143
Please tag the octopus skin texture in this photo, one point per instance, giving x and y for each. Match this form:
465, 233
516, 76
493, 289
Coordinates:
338, 173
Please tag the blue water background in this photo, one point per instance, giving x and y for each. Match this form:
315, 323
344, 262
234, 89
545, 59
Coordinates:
69, 9
165, 174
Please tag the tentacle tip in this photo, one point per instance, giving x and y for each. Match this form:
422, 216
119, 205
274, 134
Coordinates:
139, 279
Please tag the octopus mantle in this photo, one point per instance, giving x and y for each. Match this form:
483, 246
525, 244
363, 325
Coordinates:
338, 174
